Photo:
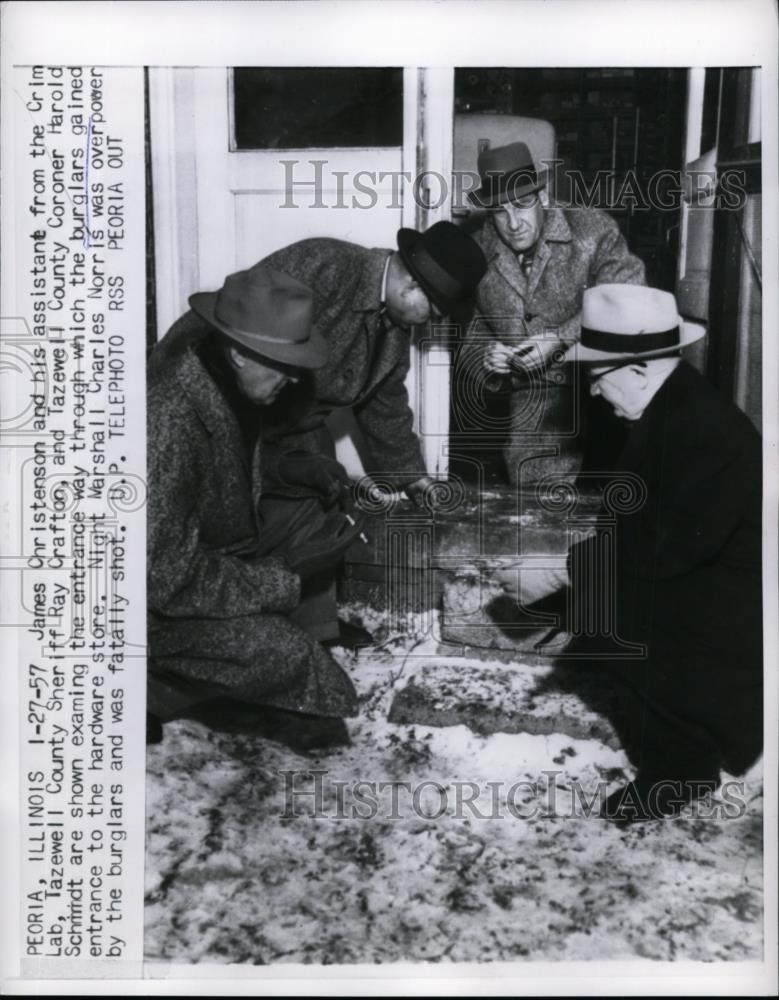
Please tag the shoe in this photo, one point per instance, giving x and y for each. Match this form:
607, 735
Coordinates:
301, 733
295, 730
350, 636
650, 798
153, 729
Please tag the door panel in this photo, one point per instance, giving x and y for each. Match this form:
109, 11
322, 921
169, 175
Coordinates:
219, 210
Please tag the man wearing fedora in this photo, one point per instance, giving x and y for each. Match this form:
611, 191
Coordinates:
540, 260
684, 581
365, 303
238, 559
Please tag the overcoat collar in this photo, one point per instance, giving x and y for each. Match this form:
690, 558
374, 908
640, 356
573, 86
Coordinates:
214, 411
367, 297
385, 344
202, 391
650, 427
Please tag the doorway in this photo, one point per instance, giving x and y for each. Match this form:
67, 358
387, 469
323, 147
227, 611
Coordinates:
615, 129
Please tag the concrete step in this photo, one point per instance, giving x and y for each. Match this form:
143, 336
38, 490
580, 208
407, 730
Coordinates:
418, 560
492, 697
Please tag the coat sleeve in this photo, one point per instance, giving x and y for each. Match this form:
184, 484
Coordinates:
185, 578
322, 264
469, 371
387, 423
689, 522
682, 526
611, 263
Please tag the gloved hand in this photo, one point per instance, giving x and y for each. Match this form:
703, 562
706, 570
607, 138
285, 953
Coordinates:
534, 578
325, 548
319, 475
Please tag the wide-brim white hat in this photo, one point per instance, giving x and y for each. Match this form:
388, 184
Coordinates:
621, 322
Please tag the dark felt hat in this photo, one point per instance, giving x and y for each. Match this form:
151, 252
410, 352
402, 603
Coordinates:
506, 173
268, 312
446, 262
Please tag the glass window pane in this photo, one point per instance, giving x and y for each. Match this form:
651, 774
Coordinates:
318, 107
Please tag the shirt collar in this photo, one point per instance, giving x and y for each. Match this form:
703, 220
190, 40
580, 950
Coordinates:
369, 294
383, 299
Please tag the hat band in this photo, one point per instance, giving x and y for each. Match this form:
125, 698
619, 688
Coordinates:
499, 183
231, 328
429, 269
630, 343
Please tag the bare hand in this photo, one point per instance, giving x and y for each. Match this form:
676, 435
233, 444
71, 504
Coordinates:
535, 353
497, 358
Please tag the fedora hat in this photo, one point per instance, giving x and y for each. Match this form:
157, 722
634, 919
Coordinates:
446, 262
506, 173
266, 311
630, 321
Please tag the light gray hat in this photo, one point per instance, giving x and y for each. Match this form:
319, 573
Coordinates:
630, 321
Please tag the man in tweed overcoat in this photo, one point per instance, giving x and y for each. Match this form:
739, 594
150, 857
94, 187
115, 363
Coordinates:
229, 554
365, 303
540, 260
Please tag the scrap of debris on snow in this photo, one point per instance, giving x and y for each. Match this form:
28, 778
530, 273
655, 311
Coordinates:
240, 869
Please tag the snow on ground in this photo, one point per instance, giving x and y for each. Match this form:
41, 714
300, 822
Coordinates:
244, 867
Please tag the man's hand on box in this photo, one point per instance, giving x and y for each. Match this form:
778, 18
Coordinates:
534, 578
427, 494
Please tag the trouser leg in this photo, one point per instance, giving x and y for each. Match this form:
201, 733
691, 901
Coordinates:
544, 437
663, 741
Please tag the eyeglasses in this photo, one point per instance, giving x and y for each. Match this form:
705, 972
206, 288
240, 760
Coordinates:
592, 378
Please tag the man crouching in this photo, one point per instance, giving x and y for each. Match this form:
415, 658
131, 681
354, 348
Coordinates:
242, 543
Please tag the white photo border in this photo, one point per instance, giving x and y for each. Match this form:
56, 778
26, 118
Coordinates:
557, 33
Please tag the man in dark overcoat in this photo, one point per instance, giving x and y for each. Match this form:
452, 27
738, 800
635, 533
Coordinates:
540, 260
685, 575
366, 302
235, 560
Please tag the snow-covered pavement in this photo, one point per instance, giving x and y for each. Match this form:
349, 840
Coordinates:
246, 865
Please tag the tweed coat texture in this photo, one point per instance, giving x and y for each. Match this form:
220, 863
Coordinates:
577, 248
688, 579
218, 611
367, 358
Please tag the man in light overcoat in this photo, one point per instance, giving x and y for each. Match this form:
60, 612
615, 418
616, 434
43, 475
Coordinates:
540, 259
